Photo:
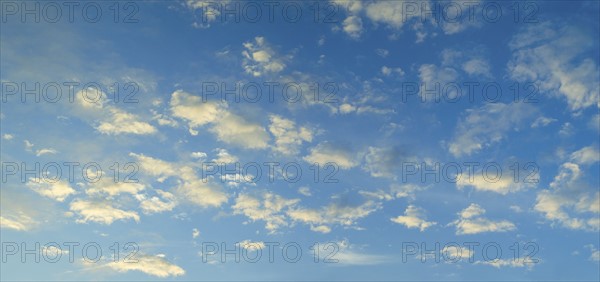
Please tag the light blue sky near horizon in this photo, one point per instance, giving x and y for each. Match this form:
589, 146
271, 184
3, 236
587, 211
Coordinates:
373, 130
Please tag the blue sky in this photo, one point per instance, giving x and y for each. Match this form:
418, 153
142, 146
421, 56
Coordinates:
374, 178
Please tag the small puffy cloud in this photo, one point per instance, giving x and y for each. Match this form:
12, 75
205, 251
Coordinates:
353, 6
553, 56
45, 151
155, 265
194, 110
390, 13
347, 108
261, 59
389, 70
487, 125
288, 138
190, 187
239, 131
18, 221
304, 191
569, 201
252, 245
353, 26
328, 153
121, 122
542, 122
436, 77
267, 207
28, 145
209, 11
455, 253
471, 221
513, 263
107, 118
382, 52
594, 253
586, 155
107, 186
195, 233
414, 217
321, 229
477, 67
100, 212
384, 162
198, 155
349, 254
224, 157
227, 126
7, 136
164, 201
342, 214
493, 180
58, 190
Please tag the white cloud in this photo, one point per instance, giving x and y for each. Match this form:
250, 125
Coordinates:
198, 155
252, 245
456, 253
109, 187
17, 221
333, 214
28, 145
349, 254
165, 201
353, 6
7, 136
487, 125
384, 162
121, 122
586, 155
552, 56
261, 59
239, 131
209, 10
594, 253
194, 110
352, 26
542, 122
288, 138
304, 191
389, 70
494, 180
462, 21
107, 118
224, 157
321, 229
414, 217
477, 67
195, 233
390, 12
58, 190
434, 79
328, 153
513, 263
190, 187
471, 221
594, 122
569, 196
382, 52
227, 126
152, 265
45, 151
267, 207
100, 212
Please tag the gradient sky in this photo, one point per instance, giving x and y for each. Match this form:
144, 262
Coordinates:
373, 177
